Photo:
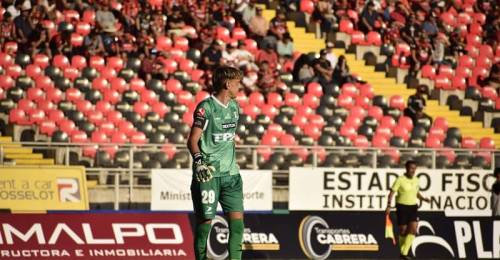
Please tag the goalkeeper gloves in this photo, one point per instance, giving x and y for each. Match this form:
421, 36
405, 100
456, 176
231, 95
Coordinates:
202, 171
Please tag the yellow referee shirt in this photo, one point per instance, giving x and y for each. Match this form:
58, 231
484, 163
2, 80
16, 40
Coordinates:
406, 190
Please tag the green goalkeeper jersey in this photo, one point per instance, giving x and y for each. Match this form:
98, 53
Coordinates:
217, 146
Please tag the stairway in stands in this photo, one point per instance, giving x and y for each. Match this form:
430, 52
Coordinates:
16, 154
382, 85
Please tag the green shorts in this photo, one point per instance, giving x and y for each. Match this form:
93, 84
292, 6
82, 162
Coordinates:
228, 190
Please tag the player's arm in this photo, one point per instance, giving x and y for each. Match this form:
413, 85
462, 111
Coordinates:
389, 200
202, 171
421, 197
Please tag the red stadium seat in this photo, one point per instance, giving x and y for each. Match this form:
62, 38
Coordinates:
374, 38
79, 137
463, 72
487, 51
292, 100
137, 84
474, 40
443, 82
428, 71
346, 26
311, 101
76, 40
33, 71
56, 115
484, 62
83, 28
256, 98
73, 94
95, 117
353, 121
11, 47
160, 108
84, 106
119, 84
317, 120
380, 141
300, 120
173, 86
26, 104
14, 71
466, 61
479, 18
186, 65
6, 82
103, 106
440, 122
251, 46
181, 43
384, 131
114, 116
61, 61
126, 127
403, 49
184, 97
6, 59
41, 60
222, 33
402, 132
119, 137
448, 18
469, 143
345, 101
487, 143
376, 112
288, 140
47, 127
78, 62
358, 112
358, 37
307, 6
458, 82
238, 34
361, 141
141, 108
489, 92
433, 142
67, 126
464, 18
274, 99
348, 131
71, 73
97, 62
269, 139
398, 102
313, 131
251, 110
111, 95
315, 89
304, 110
115, 62
405, 122
36, 94
388, 121
100, 84
269, 111
107, 73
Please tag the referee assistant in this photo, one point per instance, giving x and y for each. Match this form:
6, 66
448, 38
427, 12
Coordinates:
407, 189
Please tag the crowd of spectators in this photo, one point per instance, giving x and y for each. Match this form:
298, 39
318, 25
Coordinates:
417, 23
130, 28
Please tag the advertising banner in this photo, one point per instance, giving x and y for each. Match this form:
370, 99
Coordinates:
42, 188
454, 192
359, 235
96, 236
170, 190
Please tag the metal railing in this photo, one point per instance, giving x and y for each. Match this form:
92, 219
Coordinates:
126, 182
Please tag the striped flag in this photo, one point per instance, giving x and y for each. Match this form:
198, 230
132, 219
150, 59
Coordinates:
389, 233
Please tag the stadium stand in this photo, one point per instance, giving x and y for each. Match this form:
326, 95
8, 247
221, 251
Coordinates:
105, 76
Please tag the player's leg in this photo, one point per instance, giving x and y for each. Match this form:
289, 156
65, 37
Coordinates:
402, 224
205, 196
411, 229
231, 200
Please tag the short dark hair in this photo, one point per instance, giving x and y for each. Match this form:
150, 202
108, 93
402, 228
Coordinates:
410, 162
222, 74
496, 172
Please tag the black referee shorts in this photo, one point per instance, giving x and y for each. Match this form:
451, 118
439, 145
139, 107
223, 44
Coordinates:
406, 213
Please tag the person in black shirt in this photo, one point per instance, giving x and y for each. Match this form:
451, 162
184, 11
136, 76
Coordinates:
211, 57
416, 104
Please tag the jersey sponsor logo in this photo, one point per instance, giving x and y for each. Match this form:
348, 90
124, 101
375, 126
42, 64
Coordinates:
228, 125
223, 137
317, 239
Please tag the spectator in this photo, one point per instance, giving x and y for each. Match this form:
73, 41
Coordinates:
278, 26
23, 26
176, 21
322, 69
14, 8
285, 46
440, 43
323, 13
416, 104
301, 62
40, 39
330, 55
267, 78
238, 57
211, 57
93, 44
495, 194
411, 32
259, 25
368, 18
430, 26
7, 30
105, 18
420, 56
493, 79
249, 12
268, 55
61, 43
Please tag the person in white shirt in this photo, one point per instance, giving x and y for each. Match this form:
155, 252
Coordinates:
330, 56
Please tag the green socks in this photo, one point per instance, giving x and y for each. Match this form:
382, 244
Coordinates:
200, 241
402, 240
407, 244
236, 227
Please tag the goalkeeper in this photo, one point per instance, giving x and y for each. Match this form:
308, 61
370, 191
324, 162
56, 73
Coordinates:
216, 176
